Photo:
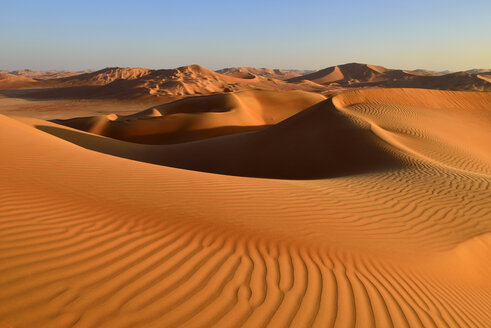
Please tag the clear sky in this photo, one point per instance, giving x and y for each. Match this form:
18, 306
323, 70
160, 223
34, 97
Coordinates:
304, 34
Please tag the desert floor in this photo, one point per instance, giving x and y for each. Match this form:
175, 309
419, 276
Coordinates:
369, 208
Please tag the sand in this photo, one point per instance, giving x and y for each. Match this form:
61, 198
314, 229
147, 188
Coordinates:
279, 74
143, 83
198, 118
355, 76
382, 218
43, 75
67, 108
10, 81
164, 85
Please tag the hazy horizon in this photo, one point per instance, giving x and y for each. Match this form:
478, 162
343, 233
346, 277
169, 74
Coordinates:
441, 35
217, 69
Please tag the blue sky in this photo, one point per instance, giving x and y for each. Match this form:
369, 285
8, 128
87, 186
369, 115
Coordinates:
75, 35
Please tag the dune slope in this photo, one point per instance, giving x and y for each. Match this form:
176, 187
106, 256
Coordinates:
250, 72
88, 239
142, 83
11, 81
354, 75
199, 117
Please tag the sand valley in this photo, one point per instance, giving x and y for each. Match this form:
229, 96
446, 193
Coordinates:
352, 196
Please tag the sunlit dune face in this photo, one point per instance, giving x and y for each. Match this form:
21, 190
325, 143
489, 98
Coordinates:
370, 206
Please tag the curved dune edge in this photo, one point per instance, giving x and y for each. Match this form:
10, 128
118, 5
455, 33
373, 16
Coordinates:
200, 117
353, 133
92, 240
445, 127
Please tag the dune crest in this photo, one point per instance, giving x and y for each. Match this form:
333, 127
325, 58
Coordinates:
143, 83
43, 75
250, 72
11, 81
355, 75
451, 128
200, 117
159, 85
389, 225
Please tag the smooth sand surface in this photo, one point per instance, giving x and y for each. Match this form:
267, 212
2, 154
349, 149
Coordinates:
383, 219
68, 108
164, 85
124, 83
8, 81
355, 75
202, 117
43, 75
250, 72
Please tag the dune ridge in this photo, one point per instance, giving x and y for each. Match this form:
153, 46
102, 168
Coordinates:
91, 237
42, 75
249, 72
10, 81
355, 75
351, 132
199, 117
136, 82
158, 85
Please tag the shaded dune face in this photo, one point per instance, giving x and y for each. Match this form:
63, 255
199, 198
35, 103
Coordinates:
250, 72
395, 233
356, 75
448, 128
317, 143
353, 133
146, 84
10, 81
154, 86
200, 117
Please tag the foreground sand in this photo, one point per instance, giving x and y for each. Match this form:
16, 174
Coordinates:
396, 230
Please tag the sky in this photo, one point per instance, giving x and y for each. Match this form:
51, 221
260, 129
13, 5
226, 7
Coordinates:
307, 34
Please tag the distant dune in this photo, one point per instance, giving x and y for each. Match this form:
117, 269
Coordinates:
485, 76
479, 71
10, 81
186, 80
200, 117
171, 84
134, 83
426, 72
278, 74
345, 73
362, 75
381, 216
43, 75
322, 141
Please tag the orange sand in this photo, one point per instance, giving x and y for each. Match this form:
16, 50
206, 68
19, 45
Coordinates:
383, 219
199, 117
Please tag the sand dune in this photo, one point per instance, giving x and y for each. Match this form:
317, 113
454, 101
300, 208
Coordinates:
199, 117
485, 76
347, 72
356, 75
479, 71
397, 233
278, 74
460, 138
131, 83
43, 75
10, 81
355, 132
69, 108
163, 85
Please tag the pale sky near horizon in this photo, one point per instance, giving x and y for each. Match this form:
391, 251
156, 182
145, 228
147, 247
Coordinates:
75, 35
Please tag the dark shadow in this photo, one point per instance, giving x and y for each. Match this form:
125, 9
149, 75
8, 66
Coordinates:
160, 138
62, 93
48, 90
317, 143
